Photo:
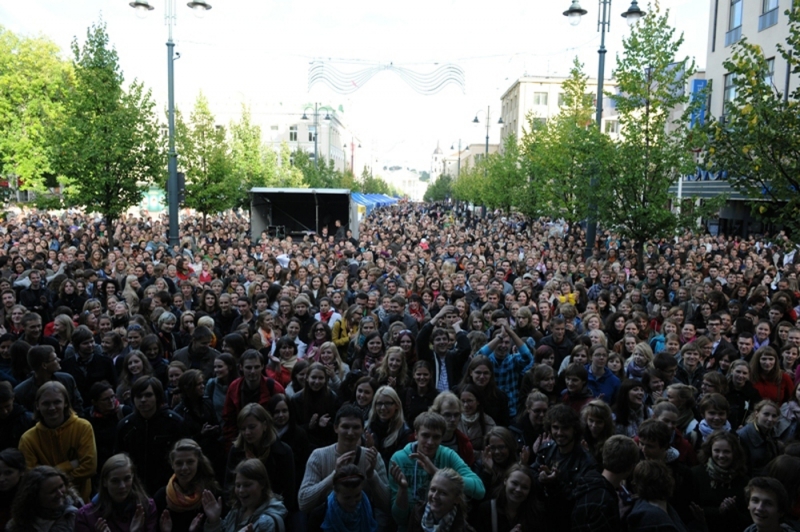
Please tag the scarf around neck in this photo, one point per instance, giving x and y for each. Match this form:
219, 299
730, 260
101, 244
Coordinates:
177, 501
338, 520
289, 363
720, 478
429, 523
706, 430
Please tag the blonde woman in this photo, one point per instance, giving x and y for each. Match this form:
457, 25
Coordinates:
386, 425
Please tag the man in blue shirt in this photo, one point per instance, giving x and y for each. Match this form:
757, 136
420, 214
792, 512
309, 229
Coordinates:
602, 383
508, 368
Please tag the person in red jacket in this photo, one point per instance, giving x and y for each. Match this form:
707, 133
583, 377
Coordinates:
769, 380
282, 360
252, 387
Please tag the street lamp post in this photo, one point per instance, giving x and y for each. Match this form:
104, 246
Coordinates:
316, 127
488, 124
170, 15
574, 14
458, 167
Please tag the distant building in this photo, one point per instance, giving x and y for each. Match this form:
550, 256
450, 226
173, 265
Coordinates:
437, 162
542, 97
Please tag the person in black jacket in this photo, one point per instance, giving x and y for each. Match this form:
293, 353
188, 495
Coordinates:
448, 363
14, 419
87, 366
148, 434
597, 504
560, 464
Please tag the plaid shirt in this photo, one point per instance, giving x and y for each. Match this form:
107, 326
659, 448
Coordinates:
509, 371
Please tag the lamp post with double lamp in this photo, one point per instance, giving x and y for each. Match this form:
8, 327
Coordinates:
352, 147
316, 108
170, 14
574, 14
453, 147
476, 120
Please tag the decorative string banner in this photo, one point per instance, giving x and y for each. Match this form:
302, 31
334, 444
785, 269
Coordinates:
425, 83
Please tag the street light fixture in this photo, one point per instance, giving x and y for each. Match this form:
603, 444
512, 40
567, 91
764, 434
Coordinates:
574, 14
142, 7
476, 120
316, 126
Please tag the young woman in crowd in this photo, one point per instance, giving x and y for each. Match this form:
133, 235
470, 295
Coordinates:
474, 422
315, 407
255, 508
12, 469
514, 508
44, 502
480, 373
259, 439
758, 438
121, 502
386, 425
419, 396
769, 380
226, 370
290, 433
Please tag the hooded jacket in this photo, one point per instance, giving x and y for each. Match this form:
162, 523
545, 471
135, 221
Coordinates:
646, 517
266, 518
72, 440
419, 480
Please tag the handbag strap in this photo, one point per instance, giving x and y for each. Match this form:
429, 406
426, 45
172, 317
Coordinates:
494, 515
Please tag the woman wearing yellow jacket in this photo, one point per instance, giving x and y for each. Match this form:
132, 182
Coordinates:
61, 439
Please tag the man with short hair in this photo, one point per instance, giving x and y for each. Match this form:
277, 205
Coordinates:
246, 316
448, 363
558, 340
397, 312
149, 433
37, 298
252, 387
88, 365
768, 503
199, 354
43, 360
602, 383
597, 495
654, 441
324, 462
413, 467
560, 463
33, 335
745, 344
718, 343
508, 368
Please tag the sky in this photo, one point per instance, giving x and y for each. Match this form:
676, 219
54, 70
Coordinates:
257, 52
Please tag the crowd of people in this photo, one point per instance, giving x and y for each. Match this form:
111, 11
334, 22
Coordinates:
440, 371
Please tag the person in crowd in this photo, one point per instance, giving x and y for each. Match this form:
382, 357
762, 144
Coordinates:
768, 504
255, 508
769, 380
226, 370
652, 510
480, 372
252, 387
347, 508
290, 433
14, 418
61, 439
508, 368
597, 503
598, 427
148, 434
121, 502
742, 396
199, 354
322, 465
12, 469
629, 409
474, 422
514, 507
45, 366
714, 410
758, 436
448, 363
199, 417
560, 463
386, 425
44, 502
419, 396
314, 407
719, 482
445, 508
499, 453
258, 438
104, 415
448, 405
87, 365
414, 466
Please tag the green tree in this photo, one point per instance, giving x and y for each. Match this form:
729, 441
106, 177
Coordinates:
323, 176
653, 150
504, 178
471, 186
562, 155
440, 189
251, 161
108, 147
205, 158
757, 142
33, 84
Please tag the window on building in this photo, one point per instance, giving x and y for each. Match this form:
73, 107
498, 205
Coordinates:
311, 133
769, 79
293, 133
734, 23
736, 14
769, 14
273, 128
612, 127
538, 122
729, 92
561, 99
539, 98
